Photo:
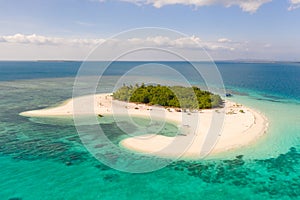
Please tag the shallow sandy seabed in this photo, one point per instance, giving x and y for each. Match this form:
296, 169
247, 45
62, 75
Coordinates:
202, 132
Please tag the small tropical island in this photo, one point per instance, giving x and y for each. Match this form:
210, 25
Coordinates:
193, 110
169, 96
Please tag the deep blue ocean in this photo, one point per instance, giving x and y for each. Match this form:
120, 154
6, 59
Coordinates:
281, 79
43, 158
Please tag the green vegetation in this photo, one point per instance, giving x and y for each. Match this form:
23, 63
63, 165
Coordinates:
169, 96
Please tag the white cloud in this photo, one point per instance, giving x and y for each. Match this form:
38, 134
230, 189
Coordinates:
35, 46
192, 42
224, 40
19, 38
250, 6
163, 41
158, 41
45, 40
294, 4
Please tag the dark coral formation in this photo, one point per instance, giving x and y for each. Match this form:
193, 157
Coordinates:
277, 176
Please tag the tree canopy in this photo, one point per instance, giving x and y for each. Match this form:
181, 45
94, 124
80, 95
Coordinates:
169, 96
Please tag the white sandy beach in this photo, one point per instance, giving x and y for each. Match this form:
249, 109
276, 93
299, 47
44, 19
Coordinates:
238, 128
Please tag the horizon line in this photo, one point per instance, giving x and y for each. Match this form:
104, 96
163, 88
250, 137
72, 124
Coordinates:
221, 60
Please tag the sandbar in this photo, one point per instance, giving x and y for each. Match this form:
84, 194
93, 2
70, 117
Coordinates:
240, 125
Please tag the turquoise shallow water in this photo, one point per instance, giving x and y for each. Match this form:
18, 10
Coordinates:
44, 158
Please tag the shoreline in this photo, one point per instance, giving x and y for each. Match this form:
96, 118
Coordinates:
238, 128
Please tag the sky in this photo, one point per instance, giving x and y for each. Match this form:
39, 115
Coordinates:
224, 29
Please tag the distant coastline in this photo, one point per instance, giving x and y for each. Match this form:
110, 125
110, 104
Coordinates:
254, 61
